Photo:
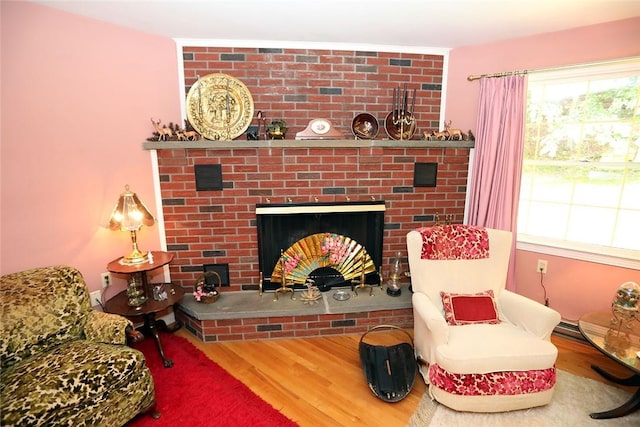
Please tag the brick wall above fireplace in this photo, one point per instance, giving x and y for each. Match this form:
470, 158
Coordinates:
219, 227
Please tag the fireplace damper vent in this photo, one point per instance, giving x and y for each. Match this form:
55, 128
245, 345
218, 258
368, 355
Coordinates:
299, 232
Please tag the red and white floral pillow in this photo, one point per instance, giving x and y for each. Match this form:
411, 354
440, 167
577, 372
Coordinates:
469, 309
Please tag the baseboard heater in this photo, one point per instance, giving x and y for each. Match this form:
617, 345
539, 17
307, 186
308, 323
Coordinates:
569, 330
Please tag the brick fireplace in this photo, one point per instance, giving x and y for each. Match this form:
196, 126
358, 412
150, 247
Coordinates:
220, 226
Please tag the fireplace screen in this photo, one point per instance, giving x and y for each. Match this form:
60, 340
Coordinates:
329, 243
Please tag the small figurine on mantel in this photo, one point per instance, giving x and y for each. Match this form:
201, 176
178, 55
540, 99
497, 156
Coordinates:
188, 133
277, 129
448, 134
163, 132
453, 133
173, 132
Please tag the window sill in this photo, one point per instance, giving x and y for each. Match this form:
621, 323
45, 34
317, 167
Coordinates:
582, 255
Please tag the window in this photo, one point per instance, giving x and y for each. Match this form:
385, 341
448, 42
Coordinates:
580, 190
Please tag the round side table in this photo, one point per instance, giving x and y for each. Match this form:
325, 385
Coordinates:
148, 310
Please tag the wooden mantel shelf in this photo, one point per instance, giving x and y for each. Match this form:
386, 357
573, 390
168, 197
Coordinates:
305, 143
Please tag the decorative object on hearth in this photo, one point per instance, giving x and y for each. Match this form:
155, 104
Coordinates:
448, 219
390, 370
361, 281
205, 290
130, 214
328, 256
400, 123
219, 107
287, 263
277, 129
320, 129
395, 275
364, 126
312, 295
341, 295
625, 307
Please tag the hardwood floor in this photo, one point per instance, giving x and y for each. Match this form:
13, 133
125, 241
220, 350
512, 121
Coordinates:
319, 382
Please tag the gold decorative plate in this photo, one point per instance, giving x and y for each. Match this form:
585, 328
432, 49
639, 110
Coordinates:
219, 107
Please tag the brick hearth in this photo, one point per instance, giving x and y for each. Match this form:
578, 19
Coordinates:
240, 316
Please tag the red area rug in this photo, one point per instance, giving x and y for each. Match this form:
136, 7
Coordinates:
198, 392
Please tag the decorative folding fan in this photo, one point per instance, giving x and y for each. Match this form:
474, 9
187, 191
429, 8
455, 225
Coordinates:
319, 251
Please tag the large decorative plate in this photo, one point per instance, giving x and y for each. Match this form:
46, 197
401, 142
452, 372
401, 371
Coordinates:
219, 107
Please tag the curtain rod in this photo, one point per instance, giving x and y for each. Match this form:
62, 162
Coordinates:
539, 70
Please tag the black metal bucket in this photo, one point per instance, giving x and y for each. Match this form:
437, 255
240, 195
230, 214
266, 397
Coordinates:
390, 371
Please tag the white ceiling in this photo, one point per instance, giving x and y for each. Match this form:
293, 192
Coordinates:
400, 23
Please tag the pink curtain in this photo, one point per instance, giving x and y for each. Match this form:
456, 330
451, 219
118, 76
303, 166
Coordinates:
497, 163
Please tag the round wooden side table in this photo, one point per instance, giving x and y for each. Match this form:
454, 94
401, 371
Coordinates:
148, 310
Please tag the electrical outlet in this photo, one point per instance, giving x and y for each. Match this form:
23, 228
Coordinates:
96, 298
542, 266
105, 279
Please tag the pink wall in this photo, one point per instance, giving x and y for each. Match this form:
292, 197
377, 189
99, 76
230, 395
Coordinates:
77, 95
573, 287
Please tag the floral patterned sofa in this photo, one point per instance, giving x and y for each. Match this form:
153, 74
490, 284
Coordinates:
64, 363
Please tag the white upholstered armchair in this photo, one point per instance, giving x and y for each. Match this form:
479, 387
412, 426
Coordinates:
484, 348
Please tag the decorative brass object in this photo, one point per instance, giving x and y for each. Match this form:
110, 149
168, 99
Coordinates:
283, 281
312, 295
130, 214
277, 129
219, 107
360, 282
448, 219
400, 123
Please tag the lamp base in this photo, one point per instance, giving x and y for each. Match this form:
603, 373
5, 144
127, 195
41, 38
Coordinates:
393, 291
135, 257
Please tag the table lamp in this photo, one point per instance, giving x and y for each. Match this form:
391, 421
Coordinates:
130, 214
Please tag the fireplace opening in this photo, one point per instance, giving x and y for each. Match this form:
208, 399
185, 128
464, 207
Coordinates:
331, 244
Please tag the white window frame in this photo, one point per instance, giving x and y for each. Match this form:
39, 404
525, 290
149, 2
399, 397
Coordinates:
591, 253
